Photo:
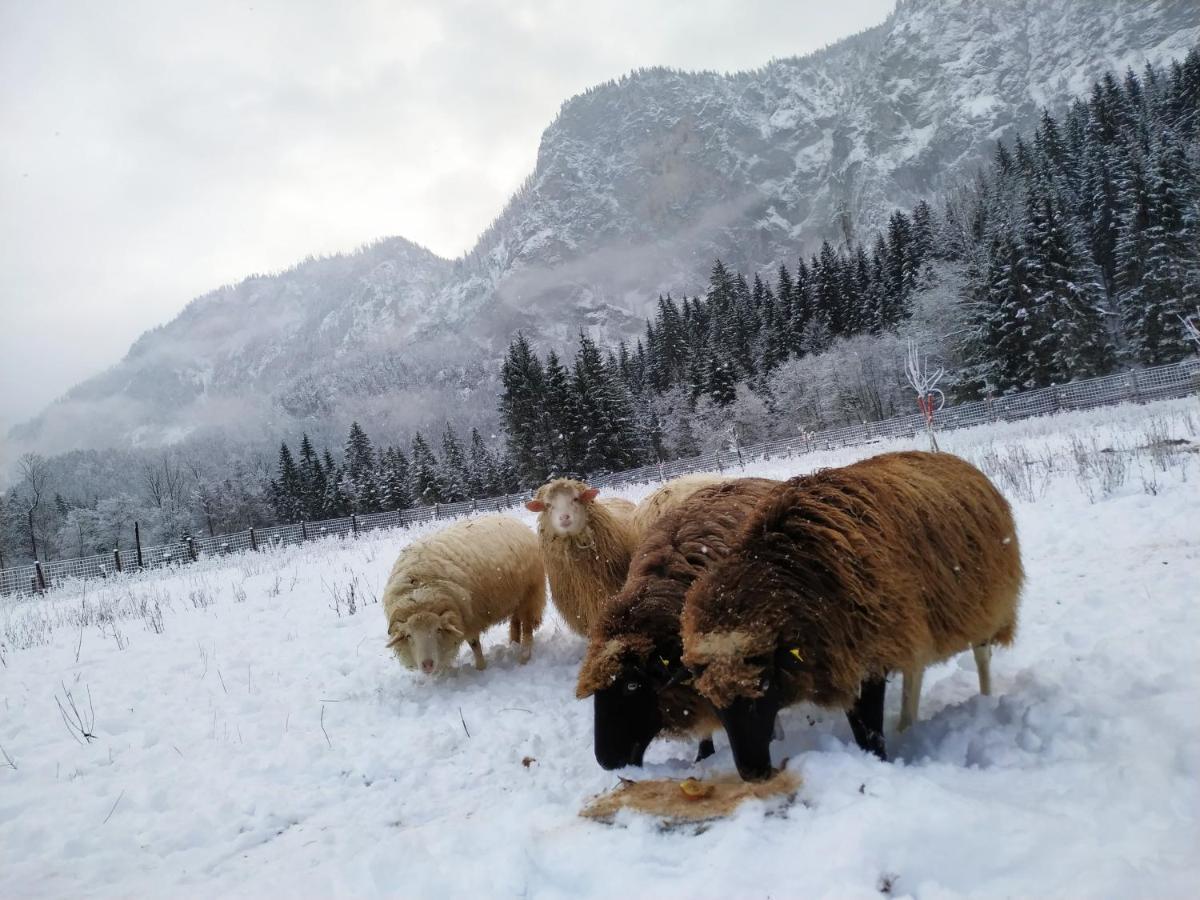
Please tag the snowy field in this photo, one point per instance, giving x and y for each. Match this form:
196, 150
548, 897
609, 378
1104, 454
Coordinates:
248, 732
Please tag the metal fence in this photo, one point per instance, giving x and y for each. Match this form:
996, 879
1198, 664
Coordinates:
1145, 385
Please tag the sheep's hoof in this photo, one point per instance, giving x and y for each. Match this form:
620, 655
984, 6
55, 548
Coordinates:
524, 656
481, 664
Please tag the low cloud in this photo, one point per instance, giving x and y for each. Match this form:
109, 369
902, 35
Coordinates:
151, 151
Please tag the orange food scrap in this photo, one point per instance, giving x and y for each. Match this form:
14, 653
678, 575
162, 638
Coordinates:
695, 790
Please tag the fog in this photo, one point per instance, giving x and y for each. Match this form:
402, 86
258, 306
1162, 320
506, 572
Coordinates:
150, 152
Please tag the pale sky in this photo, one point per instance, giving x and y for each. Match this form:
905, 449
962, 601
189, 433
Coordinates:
152, 151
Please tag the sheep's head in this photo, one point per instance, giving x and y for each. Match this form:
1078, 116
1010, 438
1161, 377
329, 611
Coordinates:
426, 640
748, 685
626, 678
563, 505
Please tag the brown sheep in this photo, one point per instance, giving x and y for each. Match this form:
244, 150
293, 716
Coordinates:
632, 663
843, 576
665, 498
586, 547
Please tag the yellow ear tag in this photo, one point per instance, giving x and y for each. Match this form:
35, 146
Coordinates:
795, 651
666, 665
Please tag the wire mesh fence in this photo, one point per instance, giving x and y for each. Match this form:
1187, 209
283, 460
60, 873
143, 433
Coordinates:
1145, 385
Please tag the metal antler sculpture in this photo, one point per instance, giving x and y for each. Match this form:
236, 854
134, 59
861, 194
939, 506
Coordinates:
924, 381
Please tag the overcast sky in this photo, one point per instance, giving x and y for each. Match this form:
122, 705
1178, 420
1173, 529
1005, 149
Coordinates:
151, 151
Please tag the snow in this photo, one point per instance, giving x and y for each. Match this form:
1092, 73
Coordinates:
261, 742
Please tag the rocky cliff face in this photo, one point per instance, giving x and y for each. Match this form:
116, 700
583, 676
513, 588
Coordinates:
639, 184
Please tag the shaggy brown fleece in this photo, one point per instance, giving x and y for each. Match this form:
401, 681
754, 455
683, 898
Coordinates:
893, 563
641, 623
665, 799
587, 568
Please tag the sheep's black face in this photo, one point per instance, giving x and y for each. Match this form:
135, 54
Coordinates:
627, 719
750, 724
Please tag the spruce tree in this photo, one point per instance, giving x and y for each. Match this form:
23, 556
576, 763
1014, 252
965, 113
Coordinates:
521, 409
485, 478
559, 424
455, 477
394, 479
720, 381
423, 468
1082, 346
359, 476
311, 476
607, 439
337, 503
1009, 328
826, 296
1170, 270
285, 489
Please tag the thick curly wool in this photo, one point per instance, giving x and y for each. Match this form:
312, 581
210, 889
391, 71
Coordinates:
641, 624
483, 571
893, 563
586, 568
663, 499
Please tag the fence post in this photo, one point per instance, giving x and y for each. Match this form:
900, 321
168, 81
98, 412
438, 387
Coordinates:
474, 506
191, 547
303, 530
41, 576
1135, 392
354, 524
137, 541
437, 513
253, 539
117, 558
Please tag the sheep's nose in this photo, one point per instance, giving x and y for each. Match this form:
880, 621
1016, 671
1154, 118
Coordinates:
564, 521
427, 666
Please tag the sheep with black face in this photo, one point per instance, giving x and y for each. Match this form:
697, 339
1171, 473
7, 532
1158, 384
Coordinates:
842, 576
632, 667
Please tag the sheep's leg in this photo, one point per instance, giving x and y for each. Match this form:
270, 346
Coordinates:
910, 696
866, 717
514, 629
529, 611
526, 651
480, 662
706, 748
983, 662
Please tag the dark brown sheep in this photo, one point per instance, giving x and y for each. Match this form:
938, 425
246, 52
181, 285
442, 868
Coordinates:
632, 662
845, 575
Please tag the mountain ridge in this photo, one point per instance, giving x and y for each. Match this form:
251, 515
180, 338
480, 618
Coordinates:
639, 183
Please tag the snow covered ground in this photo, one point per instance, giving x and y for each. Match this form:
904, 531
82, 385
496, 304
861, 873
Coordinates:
248, 736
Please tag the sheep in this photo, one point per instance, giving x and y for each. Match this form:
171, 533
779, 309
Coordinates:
586, 547
665, 498
632, 666
845, 575
453, 585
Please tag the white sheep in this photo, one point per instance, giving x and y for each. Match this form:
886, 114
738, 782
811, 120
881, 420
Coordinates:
453, 585
665, 498
586, 547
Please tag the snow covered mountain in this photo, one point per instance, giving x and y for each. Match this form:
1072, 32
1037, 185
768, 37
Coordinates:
639, 184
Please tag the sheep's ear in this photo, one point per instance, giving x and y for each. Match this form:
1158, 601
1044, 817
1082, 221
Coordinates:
788, 657
450, 626
588, 495
535, 505
396, 640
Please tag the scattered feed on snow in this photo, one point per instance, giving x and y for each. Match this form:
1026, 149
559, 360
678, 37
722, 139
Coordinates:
674, 801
